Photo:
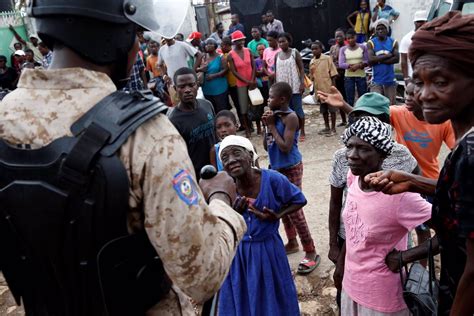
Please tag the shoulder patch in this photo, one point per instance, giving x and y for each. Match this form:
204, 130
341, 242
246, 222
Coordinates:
185, 187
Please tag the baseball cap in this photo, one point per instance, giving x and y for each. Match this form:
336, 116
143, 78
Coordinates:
194, 35
237, 36
19, 53
421, 15
373, 103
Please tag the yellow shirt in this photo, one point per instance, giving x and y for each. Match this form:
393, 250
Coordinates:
231, 79
362, 23
195, 242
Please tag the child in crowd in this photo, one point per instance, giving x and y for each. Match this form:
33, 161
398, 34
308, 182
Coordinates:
323, 73
256, 112
259, 281
226, 124
226, 47
281, 142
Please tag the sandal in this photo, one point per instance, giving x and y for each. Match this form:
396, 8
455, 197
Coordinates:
302, 138
307, 266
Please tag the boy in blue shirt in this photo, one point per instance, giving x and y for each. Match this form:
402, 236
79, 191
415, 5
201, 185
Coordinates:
281, 143
383, 54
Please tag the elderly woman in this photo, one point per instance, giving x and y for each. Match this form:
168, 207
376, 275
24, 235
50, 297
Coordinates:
375, 224
213, 68
441, 53
260, 280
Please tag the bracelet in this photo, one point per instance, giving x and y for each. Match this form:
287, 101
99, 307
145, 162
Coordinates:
222, 192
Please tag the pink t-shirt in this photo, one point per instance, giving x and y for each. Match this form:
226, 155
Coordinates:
269, 57
375, 224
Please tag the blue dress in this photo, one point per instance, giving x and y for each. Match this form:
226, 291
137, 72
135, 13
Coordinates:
260, 281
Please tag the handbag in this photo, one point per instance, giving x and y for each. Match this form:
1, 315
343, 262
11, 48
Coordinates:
256, 97
420, 289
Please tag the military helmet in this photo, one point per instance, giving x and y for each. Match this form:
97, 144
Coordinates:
103, 31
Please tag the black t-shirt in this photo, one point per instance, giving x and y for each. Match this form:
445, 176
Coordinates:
197, 129
453, 214
7, 78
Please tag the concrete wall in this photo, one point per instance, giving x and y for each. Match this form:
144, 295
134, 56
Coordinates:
407, 9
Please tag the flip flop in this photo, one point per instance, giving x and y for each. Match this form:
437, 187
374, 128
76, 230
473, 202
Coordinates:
302, 138
307, 266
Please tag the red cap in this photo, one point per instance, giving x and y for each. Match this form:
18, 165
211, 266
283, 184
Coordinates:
194, 35
237, 36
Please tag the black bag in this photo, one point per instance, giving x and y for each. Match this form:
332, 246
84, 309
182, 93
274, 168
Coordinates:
420, 289
63, 217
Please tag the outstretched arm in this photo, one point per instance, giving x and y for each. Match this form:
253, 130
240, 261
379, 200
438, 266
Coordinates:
335, 98
395, 182
17, 36
411, 255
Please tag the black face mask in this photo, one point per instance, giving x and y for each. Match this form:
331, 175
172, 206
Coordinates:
120, 76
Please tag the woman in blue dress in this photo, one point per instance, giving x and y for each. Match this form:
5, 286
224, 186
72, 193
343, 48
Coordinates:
259, 280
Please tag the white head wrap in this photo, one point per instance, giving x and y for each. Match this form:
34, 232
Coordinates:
233, 140
384, 22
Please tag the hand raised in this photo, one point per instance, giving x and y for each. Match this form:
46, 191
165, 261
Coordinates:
333, 98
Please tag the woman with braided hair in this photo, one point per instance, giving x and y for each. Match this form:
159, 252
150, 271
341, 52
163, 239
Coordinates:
375, 224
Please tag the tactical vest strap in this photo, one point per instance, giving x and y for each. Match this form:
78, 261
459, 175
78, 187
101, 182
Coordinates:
120, 114
77, 164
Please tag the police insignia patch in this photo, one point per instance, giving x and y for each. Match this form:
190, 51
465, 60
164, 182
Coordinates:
184, 185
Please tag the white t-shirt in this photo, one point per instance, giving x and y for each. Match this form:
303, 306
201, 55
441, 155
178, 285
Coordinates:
175, 56
403, 49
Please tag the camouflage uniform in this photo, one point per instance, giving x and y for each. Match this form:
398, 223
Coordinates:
196, 241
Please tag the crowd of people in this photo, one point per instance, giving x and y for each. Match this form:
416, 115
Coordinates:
27, 55
385, 181
366, 225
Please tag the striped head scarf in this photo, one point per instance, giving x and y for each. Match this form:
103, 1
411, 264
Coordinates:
371, 130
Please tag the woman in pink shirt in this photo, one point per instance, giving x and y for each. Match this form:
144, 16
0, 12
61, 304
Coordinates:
242, 65
375, 224
269, 56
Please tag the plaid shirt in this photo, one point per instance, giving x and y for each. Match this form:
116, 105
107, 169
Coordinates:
47, 59
135, 83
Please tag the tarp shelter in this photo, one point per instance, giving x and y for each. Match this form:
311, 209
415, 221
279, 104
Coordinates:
315, 19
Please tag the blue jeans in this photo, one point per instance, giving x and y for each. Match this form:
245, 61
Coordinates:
350, 84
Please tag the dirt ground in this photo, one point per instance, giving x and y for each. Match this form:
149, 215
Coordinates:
316, 291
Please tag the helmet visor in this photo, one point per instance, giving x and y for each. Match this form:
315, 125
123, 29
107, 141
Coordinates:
163, 17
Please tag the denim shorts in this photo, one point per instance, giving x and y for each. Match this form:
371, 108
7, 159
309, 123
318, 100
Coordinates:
296, 104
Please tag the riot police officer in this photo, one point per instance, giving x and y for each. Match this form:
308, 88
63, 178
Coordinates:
193, 229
